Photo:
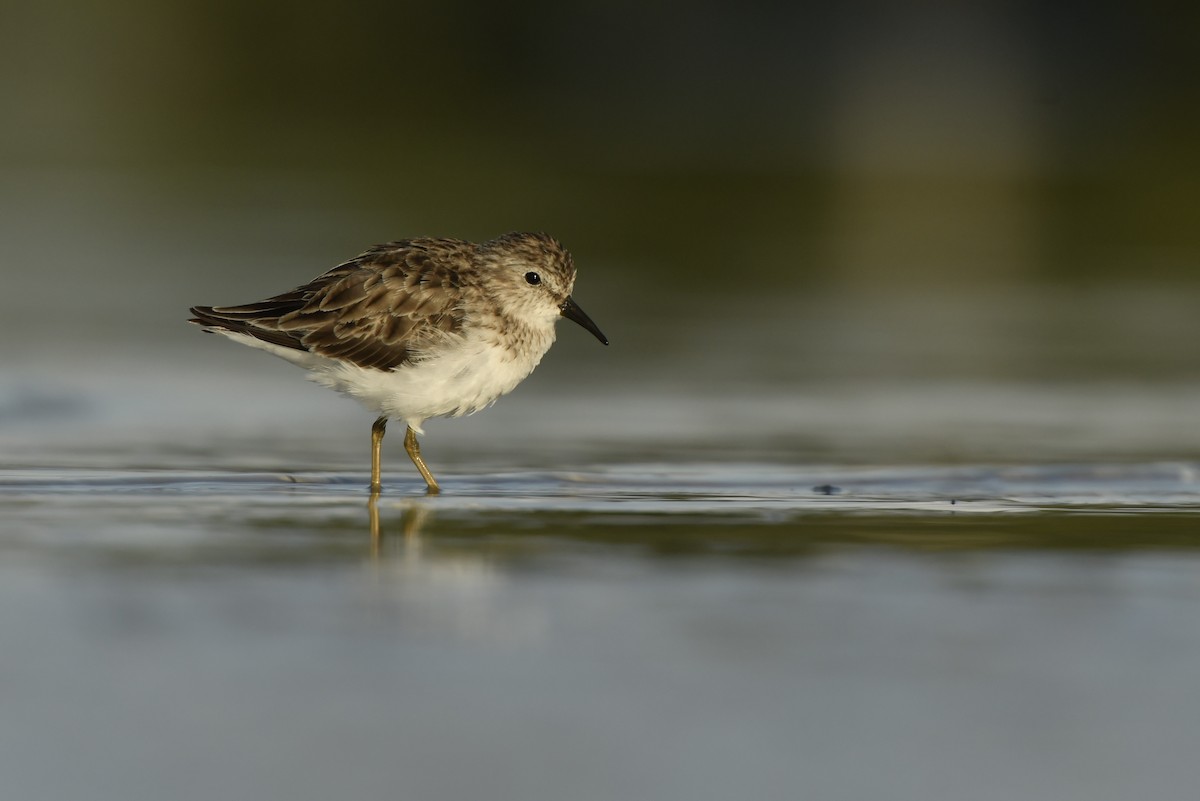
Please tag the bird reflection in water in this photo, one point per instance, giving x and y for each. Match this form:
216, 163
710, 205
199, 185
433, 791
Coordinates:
412, 522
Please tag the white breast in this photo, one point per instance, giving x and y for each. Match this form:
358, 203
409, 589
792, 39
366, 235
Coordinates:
461, 379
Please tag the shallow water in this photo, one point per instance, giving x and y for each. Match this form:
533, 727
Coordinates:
637, 629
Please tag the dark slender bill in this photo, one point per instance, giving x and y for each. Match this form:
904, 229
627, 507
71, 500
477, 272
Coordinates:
572, 312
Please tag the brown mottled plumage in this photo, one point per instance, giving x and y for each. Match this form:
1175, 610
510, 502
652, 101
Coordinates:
418, 328
373, 311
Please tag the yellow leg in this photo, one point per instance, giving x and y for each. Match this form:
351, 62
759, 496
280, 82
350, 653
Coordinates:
414, 453
377, 432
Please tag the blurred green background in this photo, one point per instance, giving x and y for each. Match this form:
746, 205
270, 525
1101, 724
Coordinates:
998, 190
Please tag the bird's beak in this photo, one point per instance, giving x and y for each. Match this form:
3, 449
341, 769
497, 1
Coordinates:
572, 312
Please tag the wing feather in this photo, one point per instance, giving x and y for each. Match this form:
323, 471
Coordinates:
382, 309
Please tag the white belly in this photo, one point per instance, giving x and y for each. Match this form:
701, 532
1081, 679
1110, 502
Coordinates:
460, 381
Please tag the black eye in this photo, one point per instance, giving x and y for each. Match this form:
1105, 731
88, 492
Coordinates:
533, 278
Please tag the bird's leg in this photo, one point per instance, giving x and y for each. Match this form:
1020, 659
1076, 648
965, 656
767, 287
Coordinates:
377, 432
414, 453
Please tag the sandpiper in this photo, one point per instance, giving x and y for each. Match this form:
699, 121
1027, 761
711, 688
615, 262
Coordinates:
418, 328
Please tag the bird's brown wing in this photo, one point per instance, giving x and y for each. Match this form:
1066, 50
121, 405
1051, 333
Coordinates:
381, 309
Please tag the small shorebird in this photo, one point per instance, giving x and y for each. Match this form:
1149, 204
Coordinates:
418, 328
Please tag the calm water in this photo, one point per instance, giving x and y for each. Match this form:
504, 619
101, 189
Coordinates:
604, 603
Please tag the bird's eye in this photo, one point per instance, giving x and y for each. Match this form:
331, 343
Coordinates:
533, 278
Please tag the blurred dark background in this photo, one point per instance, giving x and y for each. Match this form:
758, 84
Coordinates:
996, 188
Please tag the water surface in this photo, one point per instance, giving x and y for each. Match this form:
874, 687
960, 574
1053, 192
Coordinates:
702, 630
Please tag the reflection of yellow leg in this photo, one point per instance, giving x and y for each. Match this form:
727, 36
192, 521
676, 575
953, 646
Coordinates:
413, 521
377, 431
414, 453
373, 522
